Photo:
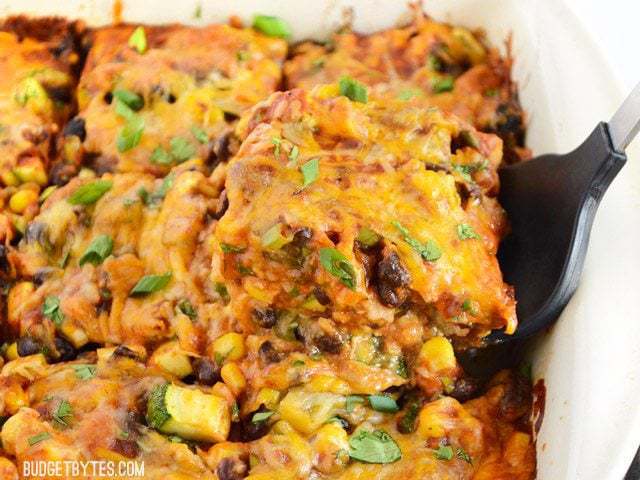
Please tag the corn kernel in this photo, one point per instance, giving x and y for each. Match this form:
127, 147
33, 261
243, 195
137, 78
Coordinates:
46, 193
331, 445
233, 377
19, 223
9, 178
12, 351
22, 199
33, 172
229, 346
328, 383
86, 173
268, 397
437, 355
15, 398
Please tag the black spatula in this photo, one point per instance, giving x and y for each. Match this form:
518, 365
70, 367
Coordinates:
551, 202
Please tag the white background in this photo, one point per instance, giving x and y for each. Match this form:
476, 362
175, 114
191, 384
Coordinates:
616, 28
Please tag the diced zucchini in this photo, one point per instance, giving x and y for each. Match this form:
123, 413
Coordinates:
188, 413
170, 358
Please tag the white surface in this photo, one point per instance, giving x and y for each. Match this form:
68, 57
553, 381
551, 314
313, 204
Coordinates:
614, 26
590, 360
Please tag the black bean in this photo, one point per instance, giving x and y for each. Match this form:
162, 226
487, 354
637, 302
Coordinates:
465, 388
302, 235
125, 352
266, 318
4, 260
391, 280
128, 448
28, 346
223, 205
61, 173
329, 343
75, 127
268, 353
321, 296
207, 372
221, 149
59, 94
253, 431
232, 468
66, 351
36, 232
42, 274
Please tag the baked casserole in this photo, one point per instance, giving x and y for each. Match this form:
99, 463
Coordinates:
231, 258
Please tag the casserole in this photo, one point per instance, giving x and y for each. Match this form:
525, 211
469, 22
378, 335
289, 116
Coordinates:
570, 359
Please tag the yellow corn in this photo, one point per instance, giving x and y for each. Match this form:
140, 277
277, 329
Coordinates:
86, 173
268, 397
233, 377
19, 223
437, 355
22, 199
9, 178
328, 383
229, 346
33, 172
331, 445
15, 398
12, 351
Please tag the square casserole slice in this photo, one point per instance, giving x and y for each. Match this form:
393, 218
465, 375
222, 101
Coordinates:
182, 88
38, 60
378, 210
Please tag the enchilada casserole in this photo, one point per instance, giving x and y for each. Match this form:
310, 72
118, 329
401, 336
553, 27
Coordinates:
226, 257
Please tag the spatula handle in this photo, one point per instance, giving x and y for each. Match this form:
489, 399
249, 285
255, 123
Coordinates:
625, 123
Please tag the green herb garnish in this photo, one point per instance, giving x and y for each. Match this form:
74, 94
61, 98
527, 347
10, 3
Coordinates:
131, 99
429, 250
338, 265
63, 413
39, 438
138, 40
277, 142
444, 452
351, 401
293, 153
228, 248
440, 85
382, 403
188, 309
466, 232
181, 149
353, 90
200, 135
462, 455
374, 447
97, 251
51, 310
90, 192
260, 417
367, 237
273, 239
130, 135
272, 26
150, 283
160, 156
408, 94
310, 171
85, 372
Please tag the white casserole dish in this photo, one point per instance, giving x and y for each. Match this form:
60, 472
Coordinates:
589, 362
